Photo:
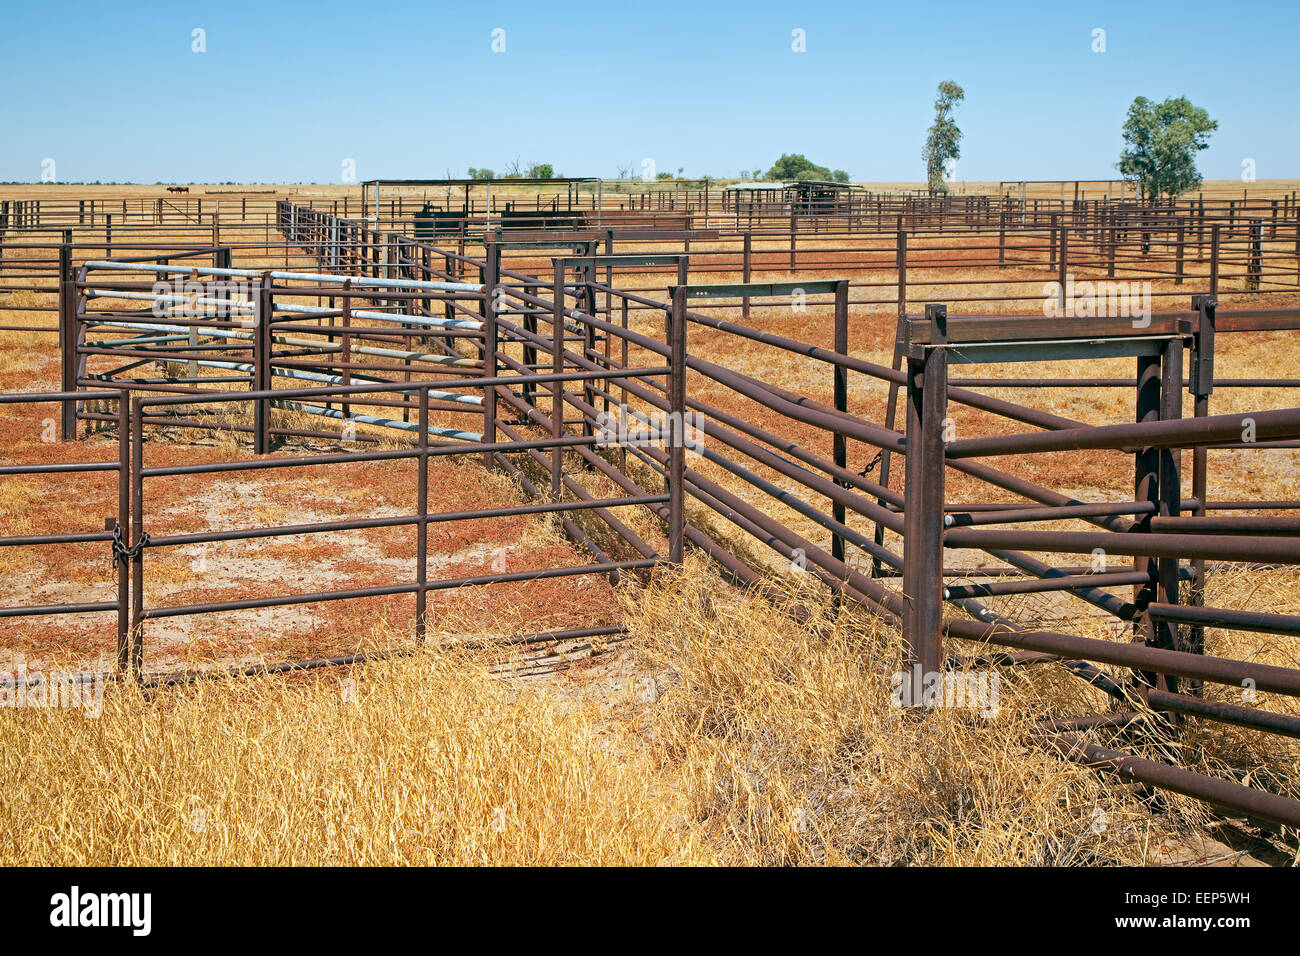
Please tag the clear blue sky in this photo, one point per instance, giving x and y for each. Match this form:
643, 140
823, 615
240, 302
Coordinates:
287, 91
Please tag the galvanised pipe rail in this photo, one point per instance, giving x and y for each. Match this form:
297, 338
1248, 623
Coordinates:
321, 277
435, 430
176, 299
221, 332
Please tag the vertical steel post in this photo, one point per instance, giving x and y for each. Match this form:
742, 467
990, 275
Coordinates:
530, 346
262, 367
1201, 385
1200, 228
557, 387
135, 542
1112, 239
1255, 260
422, 528
491, 274
747, 271
676, 471
68, 338
891, 417
839, 447
346, 344
793, 224
622, 410
120, 564
1178, 264
1214, 259
927, 404
1063, 248
901, 265
1146, 488
587, 304
1171, 491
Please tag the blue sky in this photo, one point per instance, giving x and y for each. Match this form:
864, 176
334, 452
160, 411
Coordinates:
285, 92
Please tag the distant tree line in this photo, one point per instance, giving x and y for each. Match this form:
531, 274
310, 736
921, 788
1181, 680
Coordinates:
796, 166
516, 171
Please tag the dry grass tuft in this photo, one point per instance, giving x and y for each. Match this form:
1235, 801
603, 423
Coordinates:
783, 737
417, 761
746, 734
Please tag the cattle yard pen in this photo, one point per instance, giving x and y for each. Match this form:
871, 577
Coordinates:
592, 349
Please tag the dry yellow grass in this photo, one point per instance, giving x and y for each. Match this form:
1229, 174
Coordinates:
430, 761
739, 736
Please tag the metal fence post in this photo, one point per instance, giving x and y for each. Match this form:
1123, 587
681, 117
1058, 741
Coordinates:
262, 367
1171, 491
839, 447
491, 274
123, 526
1146, 489
588, 347
676, 471
1112, 239
747, 269
1201, 385
901, 265
793, 226
1178, 266
67, 339
557, 366
1214, 259
1255, 260
1051, 243
136, 543
422, 509
346, 343
1063, 248
927, 403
